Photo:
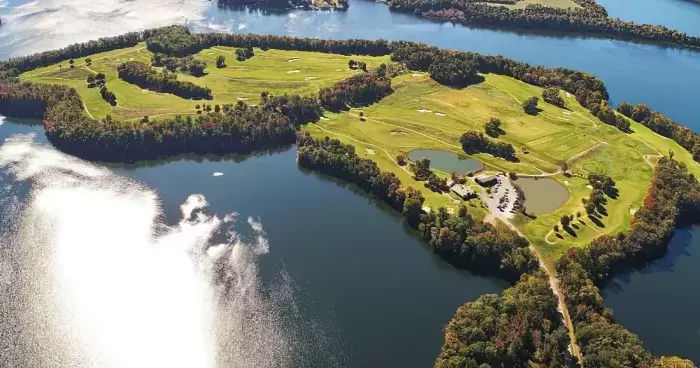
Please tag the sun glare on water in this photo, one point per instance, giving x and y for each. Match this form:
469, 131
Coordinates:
105, 283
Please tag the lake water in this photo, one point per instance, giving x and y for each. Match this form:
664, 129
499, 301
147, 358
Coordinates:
542, 195
309, 271
447, 161
682, 15
335, 278
660, 302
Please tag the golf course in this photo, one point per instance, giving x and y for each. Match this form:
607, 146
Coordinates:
565, 144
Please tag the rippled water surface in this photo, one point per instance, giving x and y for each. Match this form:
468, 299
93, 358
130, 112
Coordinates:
209, 262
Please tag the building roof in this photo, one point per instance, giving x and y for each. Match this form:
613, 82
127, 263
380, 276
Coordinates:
461, 190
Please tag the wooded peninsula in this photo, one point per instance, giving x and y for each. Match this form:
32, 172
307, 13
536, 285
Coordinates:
352, 108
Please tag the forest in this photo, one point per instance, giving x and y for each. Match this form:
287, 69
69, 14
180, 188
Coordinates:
475, 142
144, 76
588, 18
519, 326
358, 90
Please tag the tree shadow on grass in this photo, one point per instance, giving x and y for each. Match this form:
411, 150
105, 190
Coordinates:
570, 231
596, 221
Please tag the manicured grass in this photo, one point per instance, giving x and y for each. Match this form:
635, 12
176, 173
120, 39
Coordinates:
419, 114
275, 71
424, 114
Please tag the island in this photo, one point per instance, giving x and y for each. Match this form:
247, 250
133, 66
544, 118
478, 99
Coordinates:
554, 16
282, 5
504, 168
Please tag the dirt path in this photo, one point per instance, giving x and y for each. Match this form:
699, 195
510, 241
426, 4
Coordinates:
87, 111
554, 284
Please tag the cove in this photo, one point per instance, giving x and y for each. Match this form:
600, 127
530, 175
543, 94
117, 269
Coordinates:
360, 290
447, 161
542, 195
667, 79
659, 301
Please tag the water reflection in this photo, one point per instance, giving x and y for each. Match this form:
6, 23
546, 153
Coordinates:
92, 276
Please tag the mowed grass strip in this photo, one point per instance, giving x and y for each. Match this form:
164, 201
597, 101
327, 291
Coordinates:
274, 71
424, 114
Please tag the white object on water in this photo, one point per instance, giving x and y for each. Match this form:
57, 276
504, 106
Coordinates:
218, 174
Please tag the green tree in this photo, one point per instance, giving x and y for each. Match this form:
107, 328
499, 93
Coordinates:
493, 127
220, 61
530, 105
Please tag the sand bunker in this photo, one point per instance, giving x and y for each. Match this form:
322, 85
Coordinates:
398, 132
424, 110
439, 114
370, 151
293, 71
242, 98
310, 78
416, 75
324, 118
292, 60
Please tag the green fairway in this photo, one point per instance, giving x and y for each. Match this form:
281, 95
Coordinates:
420, 114
275, 71
424, 114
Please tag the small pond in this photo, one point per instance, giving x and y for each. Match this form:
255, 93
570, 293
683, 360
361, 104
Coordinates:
447, 161
542, 195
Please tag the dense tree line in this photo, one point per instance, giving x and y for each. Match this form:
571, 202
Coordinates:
358, 90
235, 128
174, 41
277, 4
475, 142
455, 71
607, 115
662, 125
184, 64
142, 75
674, 196
459, 238
519, 326
589, 18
